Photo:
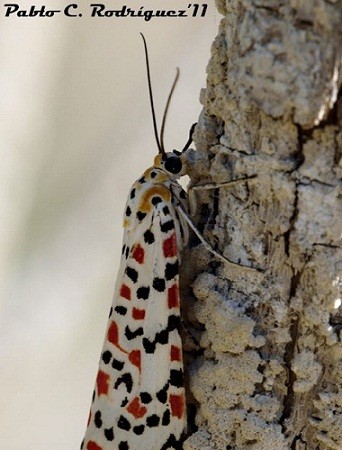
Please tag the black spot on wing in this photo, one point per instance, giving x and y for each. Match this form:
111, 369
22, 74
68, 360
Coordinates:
162, 337
132, 274
123, 445
106, 356
166, 417
167, 226
149, 346
109, 434
128, 211
166, 210
152, 421
143, 292
142, 180
139, 429
173, 323
171, 270
110, 312
156, 200
132, 193
148, 237
162, 394
126, 379
117, 365
176, 378
141, 216
159, 284
124, 402
133, 334
127, 252
153, 174
145, 398
123, 423
98, 419
121, 310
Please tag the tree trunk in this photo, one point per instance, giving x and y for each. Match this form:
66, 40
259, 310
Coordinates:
266, 371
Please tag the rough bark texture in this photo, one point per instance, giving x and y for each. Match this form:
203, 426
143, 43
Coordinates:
266, 370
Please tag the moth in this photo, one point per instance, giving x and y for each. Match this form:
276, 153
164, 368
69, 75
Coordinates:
139, 397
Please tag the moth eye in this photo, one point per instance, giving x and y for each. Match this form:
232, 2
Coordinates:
173, 164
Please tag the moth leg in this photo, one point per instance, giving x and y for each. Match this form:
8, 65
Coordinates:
208, 246
219, 185
191, 133
208, 186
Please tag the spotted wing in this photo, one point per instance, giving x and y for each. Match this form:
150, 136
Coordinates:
139, 400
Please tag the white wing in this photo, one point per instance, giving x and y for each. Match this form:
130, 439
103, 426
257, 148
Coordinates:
139, 399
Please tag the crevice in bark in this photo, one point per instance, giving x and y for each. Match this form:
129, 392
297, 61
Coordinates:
288, 357
298, 438
241, 152
295, 281
303, 137
322, 244
313, 180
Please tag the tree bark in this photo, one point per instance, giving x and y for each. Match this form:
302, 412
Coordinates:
266, 370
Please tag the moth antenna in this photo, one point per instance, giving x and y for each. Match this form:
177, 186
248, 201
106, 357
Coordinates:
160, 148
166, 110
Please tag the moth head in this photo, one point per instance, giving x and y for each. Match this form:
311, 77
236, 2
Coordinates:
171, 163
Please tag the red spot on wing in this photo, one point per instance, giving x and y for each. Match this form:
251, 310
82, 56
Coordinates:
177, 405
102, 382
175, 353
138, 314
136, 409
93, 446
135, 358
170, 246
139, 254
125, 292
113, 336
173, 296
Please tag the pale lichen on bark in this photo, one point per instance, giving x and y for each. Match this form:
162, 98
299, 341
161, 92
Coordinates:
266, 371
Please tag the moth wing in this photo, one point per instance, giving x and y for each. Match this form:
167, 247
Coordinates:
139, 400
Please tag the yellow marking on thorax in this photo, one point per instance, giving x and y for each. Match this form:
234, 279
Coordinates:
158, 161
159, 190
160, 177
